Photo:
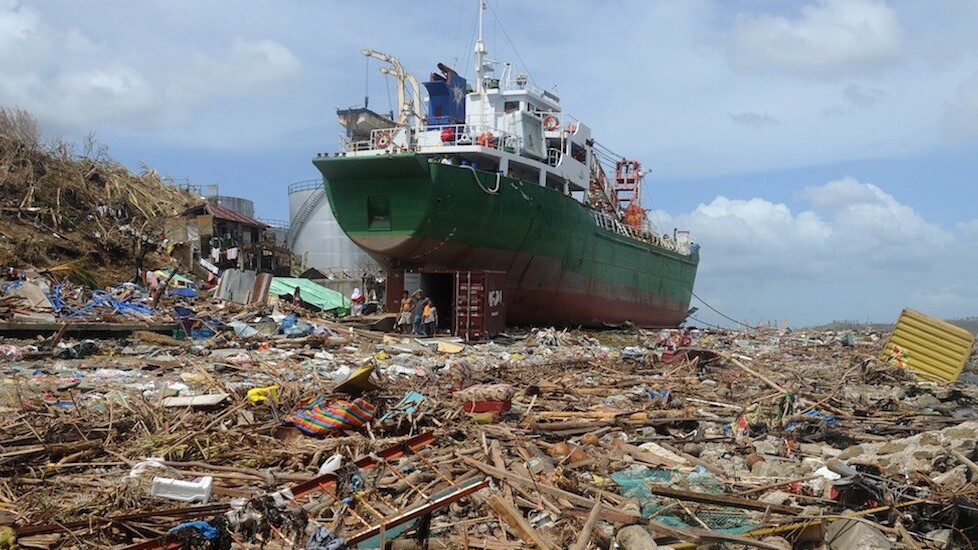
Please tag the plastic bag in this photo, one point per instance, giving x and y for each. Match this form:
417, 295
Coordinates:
10, 352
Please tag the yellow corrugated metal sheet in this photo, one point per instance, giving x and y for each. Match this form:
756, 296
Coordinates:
936, 350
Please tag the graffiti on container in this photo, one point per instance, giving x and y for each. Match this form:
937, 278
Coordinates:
495, 298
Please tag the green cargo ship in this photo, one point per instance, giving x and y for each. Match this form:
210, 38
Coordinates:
496, 177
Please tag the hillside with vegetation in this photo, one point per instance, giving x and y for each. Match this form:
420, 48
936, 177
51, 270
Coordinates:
78, 213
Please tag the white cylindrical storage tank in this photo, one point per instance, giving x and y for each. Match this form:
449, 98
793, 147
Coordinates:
238, 204
314, 234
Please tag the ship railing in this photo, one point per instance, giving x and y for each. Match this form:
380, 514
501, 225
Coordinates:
305, 185
382, 139
469, 134
397, 139
557, 121
614, 225
347, 145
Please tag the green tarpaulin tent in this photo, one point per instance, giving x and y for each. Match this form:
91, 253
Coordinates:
314, 294
177, 280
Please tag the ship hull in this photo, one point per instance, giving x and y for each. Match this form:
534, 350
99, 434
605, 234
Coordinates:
561, 267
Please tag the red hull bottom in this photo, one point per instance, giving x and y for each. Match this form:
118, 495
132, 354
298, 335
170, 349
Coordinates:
539, 291
541, 307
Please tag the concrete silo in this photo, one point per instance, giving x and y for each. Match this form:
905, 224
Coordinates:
314, 235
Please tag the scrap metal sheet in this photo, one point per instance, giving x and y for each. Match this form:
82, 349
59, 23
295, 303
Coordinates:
934, 349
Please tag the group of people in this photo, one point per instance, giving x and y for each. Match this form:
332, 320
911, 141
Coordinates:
418, 313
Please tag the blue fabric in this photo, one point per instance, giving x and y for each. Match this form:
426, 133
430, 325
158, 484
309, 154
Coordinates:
206, 529
182, 291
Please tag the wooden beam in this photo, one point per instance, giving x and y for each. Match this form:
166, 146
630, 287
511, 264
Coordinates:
724, 500
696, 536
585, 537
509, 514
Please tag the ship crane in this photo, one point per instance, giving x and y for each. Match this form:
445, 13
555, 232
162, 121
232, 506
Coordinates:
406, 107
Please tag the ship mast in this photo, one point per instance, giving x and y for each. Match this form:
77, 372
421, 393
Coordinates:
480, 53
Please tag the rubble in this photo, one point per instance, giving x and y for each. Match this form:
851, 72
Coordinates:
136, 417
544, 438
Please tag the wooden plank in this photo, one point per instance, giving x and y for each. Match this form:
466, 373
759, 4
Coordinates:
497, 460
84, 326
585, 537
508, 513
708, 536
606, 513
688, 534
723, 500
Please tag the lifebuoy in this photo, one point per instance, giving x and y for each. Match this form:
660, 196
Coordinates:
486, 139
382, 140
551, 123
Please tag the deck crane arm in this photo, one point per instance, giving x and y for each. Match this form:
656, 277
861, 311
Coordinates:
405, 108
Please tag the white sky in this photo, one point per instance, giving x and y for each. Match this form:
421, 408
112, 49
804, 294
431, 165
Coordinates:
822, 152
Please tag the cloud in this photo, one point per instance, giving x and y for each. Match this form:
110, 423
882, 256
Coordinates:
852, 229
16, 23
968, 230
115, 92
829, 38
75, 84
853, 252
250, 67
754, 120
955, 300
840, 194
743, 238
855, 97
870, 223
961, 114
863, 96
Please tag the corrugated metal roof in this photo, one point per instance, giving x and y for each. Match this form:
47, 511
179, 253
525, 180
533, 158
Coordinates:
230, 215
222, 213
934, 349
324, 298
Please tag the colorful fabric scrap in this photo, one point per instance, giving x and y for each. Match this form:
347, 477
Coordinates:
324, 415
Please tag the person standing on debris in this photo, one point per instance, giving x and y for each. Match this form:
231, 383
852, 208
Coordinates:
404, 316
296, 298
430, 318
417, 312
356, 303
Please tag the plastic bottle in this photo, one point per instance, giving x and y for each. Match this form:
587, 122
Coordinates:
198, 490
331, 465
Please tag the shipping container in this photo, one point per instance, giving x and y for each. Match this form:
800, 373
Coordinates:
480, 307
471, 304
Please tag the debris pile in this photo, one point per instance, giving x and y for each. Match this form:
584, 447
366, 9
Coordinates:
252, 432
83, 216
140, 418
